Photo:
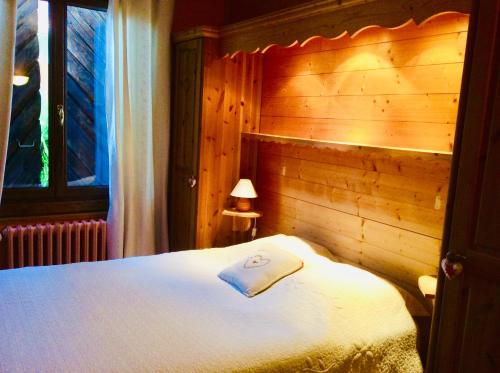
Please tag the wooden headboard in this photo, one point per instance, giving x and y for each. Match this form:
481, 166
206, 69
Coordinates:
380, 205
383, 210
348, 140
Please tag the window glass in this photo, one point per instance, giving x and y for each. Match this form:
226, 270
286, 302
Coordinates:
86, 133
28, 151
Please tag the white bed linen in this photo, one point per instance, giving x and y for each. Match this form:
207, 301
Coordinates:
172, 313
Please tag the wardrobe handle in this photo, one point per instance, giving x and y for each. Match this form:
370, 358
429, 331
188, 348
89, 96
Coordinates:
192, 181
60, 113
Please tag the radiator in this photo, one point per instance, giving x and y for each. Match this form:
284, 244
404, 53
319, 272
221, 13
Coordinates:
49, 244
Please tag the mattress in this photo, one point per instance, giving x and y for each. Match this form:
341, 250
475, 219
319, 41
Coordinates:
171, 313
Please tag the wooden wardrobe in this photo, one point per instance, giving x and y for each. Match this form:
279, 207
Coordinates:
214, 100
192, 52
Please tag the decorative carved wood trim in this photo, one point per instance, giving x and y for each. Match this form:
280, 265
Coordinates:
329, 18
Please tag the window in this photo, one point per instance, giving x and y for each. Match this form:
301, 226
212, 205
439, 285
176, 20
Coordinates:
57, 158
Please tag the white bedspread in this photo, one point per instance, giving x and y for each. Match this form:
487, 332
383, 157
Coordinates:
171, 313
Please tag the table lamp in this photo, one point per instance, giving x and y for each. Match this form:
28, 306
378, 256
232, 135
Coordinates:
244, 190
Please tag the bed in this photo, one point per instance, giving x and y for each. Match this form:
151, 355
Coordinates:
171, 313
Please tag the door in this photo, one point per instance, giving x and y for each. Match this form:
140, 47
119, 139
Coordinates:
466, 331
184, 144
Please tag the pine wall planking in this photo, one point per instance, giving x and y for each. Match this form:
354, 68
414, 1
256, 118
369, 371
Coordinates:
380, 208
383, 87
231, 104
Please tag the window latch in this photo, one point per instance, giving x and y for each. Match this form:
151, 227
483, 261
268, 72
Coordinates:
60, 113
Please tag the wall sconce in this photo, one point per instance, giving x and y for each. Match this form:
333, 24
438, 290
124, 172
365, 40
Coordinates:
20, 80
243, 191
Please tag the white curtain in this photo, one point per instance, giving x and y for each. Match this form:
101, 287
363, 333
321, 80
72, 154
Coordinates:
138, 97
7, 54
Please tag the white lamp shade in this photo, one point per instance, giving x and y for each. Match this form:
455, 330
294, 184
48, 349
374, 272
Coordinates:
20, 80
244, 189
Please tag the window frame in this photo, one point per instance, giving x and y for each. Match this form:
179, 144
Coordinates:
57, 198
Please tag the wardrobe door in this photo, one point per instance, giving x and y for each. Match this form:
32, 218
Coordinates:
184, 144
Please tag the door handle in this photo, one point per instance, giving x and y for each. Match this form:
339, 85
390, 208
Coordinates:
452, 265
192, 181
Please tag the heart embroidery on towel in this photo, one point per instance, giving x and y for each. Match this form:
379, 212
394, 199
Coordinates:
256, 261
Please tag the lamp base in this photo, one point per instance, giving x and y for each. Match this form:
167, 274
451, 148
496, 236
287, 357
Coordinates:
243, 204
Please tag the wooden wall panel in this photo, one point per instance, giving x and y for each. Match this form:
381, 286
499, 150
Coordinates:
377, 207
428, 108
231, 104
383, 87
382, 133
388, 219
427, 50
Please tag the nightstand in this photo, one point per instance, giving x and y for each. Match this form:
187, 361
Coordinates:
242, 222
